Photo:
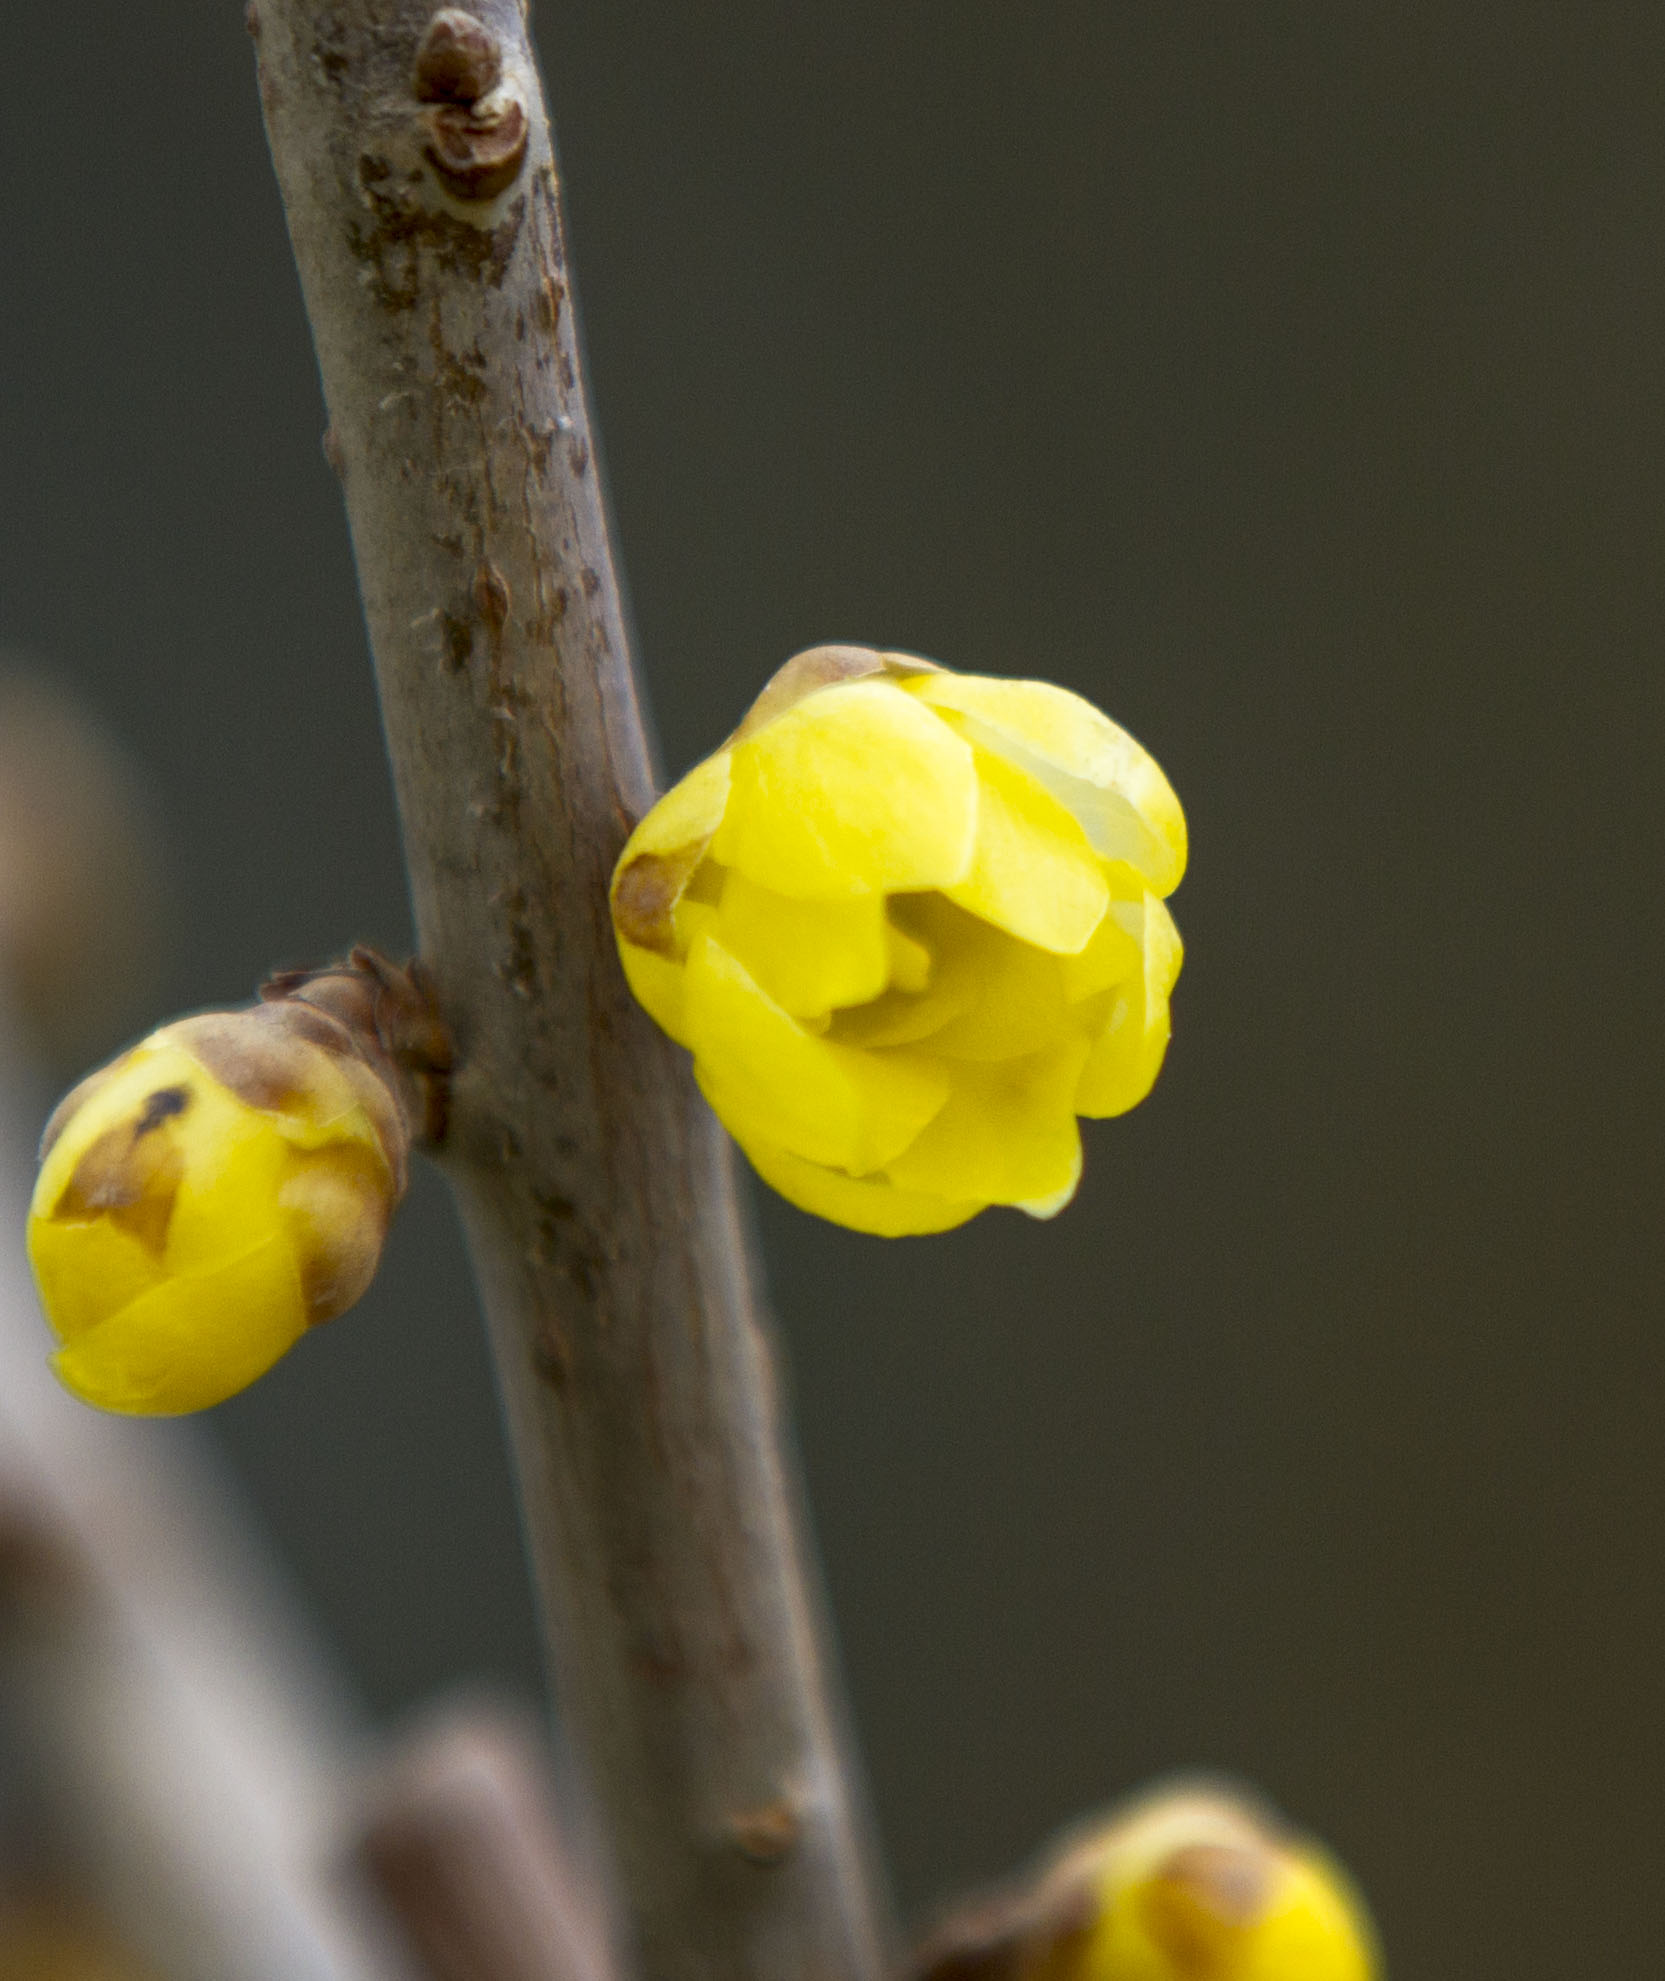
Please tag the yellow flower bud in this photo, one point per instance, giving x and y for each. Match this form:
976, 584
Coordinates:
1187, 1885
910, 924
217, 1190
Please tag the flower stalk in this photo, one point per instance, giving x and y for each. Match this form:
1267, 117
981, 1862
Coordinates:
415, 163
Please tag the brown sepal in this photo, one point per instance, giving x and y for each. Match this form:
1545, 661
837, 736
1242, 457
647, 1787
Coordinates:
824, 667
1013, 1931
645, 895
477, 149
386, 1016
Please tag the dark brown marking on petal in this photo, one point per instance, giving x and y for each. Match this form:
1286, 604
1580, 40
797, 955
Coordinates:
130, 1177
162, 1106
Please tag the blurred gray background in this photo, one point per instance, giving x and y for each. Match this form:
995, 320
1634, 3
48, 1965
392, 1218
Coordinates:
1288, 378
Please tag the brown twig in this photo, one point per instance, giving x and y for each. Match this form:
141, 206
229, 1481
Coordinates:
415, 162
463, 1842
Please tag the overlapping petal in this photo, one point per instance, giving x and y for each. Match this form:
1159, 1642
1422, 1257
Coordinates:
909, 924
1089, 763
184, 1235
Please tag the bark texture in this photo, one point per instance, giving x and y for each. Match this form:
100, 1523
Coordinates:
416, 167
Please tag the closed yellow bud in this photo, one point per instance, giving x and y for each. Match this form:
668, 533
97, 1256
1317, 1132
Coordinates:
210, 1195
1188, 1885
910, 924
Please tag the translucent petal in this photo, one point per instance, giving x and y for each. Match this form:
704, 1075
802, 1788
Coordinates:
810, 956
1007, 1135
1032, 871
1110, 958
1091, 765
193, 1341
687, 815
866, 1203
855, 790
771, 1081
1127, 1055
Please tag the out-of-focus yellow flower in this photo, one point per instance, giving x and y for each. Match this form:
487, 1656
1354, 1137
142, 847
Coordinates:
910, 924
206, 1198
1187, 1885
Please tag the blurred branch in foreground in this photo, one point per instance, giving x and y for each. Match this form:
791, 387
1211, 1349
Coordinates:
184, 1756
465, 1845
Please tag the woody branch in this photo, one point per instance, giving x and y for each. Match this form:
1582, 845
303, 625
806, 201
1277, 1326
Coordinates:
416, 167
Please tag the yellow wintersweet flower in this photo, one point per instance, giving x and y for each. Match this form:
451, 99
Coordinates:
1187, 1885
910, 924
206, 1198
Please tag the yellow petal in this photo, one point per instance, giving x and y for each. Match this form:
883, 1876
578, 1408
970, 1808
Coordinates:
1127, 1056
771, 1081
1314, 1930
657, 981
1019, 1008
862, 1203
1007, 1134
810, 956
109, 1102
1032, 872
192, 1341
228, 1197
335, 1202
1090, 764
663, 857
1110, 958
86, 1270
855, 790
656, 984
944, 958
910, 961
687, 815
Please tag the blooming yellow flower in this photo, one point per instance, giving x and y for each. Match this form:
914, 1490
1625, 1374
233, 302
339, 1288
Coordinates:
1187, 1885
910, 924
206, 1198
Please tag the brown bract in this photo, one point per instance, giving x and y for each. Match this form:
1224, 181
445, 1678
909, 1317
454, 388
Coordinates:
459, 61
476, 133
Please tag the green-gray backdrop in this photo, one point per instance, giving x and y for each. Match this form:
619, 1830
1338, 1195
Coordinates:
1288, 377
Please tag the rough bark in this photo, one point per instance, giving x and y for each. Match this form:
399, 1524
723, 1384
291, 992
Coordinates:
415, 162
